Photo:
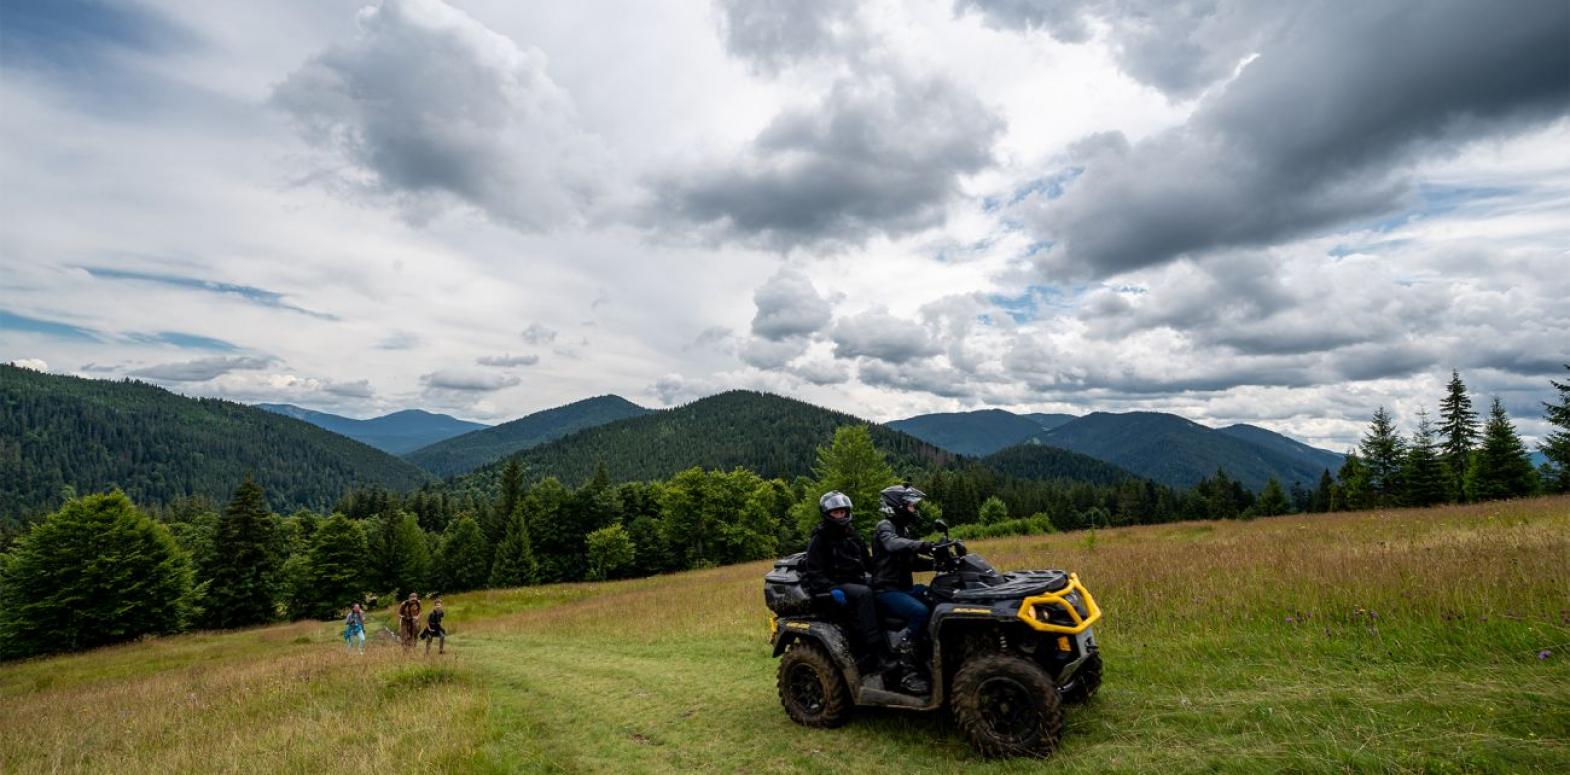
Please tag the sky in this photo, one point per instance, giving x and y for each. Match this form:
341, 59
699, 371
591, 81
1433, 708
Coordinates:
1285, 215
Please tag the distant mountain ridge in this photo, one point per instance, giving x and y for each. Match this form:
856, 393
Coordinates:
397, 433
979, 433
60, 434
1179, 452
771, 435
466, 452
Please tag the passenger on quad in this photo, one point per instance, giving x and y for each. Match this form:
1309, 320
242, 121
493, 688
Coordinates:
835, 574
895, 554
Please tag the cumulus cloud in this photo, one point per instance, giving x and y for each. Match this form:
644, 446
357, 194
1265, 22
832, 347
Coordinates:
35, 364
789, 306
877, 334
822, 371
773, 34
202, 369
537, 334
360, 388
879, 153
428, 101
1319, 130
770, 353
467, 381
508, 360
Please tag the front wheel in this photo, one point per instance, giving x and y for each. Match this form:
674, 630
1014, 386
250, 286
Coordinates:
1007, 706
812, 689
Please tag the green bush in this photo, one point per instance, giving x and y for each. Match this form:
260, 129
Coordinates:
1036, 524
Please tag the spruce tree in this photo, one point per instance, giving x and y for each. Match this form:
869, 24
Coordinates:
1425, 478
1383, 453
1352, 481
500, 515
93, 573
463, 562
1457, 433
1272, 500
1323, 493
1556, 445
243, 575
1501, 467
515, 565
331, 574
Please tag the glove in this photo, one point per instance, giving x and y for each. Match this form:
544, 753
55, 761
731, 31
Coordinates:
838, 595
925, 547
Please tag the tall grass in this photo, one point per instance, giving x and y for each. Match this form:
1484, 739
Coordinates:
1434, 640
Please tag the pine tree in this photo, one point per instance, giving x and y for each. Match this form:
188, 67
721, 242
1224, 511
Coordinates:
993, 511
1272, 500
515, 565
463, 562
1556, 445
331, 575
243, 577
1501, 467
512, 492
93, 573
1383, 453
1323, 493
1352, 480
1424, 474
1457, 433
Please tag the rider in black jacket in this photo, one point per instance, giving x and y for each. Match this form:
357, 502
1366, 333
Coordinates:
895, 554
835, 572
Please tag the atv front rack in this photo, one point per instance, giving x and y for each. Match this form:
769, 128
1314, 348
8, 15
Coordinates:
1062, 599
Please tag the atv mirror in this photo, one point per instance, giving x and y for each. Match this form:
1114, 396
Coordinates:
942, 527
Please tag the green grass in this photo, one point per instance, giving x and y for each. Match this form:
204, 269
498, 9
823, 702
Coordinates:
1403, 641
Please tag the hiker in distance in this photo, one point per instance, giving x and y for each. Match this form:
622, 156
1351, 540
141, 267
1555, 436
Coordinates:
354, 628
409, 620
434, 631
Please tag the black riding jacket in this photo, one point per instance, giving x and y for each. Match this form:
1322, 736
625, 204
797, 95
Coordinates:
835, 556
894, 556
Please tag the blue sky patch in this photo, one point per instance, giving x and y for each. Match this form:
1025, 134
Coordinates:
250, 293
10, 321
187, 341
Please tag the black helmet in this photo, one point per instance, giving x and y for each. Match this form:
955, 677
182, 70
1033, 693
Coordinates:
899, 496
832, 501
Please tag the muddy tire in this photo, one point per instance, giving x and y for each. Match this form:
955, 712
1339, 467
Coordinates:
812, 689
1085, 682
1007, 706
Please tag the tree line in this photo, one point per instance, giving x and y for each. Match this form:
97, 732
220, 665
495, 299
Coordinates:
100, 570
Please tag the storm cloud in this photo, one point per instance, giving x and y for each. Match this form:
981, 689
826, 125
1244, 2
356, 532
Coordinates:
1318, 130
427, 101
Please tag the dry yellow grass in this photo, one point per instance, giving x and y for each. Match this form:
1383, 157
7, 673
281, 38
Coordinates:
1395, 641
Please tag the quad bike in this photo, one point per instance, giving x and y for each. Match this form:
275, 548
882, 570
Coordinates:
1004, 651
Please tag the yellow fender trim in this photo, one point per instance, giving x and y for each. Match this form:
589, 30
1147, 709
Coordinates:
1027, 609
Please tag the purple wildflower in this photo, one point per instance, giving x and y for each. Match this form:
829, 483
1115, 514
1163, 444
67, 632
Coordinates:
1544, 654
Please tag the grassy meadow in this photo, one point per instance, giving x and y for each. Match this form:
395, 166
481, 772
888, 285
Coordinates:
1401, 641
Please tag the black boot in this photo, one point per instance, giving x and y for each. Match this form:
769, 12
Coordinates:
912, 681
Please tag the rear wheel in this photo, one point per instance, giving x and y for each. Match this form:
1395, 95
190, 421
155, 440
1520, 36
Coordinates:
812, 689
1007, 706
1085, 682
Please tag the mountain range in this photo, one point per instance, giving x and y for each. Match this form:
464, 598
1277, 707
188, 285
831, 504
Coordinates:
1155, 445
397, 433
469, 451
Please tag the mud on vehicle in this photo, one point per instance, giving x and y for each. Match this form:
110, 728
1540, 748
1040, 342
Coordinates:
1005, 651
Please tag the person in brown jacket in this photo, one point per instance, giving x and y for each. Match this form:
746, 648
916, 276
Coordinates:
409, 620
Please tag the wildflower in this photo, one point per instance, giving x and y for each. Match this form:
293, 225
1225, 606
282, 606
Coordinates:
1544, 654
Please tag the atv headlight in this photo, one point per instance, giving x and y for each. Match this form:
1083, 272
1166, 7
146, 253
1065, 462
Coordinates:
1076, 600
1047, 612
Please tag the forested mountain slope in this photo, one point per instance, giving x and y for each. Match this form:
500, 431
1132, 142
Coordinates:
397, 433
60, 433
474, 449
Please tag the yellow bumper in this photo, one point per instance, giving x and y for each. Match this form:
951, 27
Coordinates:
1027, 609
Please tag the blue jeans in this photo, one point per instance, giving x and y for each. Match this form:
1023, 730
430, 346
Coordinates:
906, 606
